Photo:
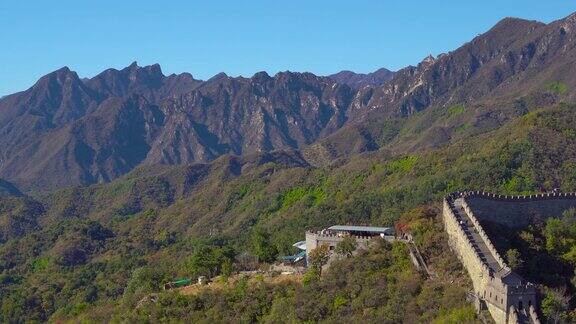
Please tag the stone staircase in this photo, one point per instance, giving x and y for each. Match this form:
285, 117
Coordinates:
474, 236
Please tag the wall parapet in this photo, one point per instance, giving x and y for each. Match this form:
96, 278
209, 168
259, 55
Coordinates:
514, 198
448, 206
533, 315
485, 237
513, 316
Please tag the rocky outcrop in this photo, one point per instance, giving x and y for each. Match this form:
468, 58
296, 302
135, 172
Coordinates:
68, 131
65, 131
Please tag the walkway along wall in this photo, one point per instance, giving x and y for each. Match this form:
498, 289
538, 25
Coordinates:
506, 295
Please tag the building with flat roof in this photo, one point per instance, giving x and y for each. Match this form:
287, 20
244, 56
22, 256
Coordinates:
362, 230
333, 235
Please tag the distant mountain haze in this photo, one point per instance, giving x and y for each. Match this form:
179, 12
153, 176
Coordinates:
66, 131
359, 80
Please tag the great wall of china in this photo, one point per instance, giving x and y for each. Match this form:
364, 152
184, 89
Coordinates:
506, 295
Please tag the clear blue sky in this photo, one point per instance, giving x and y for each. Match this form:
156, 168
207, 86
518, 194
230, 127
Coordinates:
241, 37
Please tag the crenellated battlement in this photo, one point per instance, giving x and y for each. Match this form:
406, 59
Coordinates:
457, 224
514, 198
484, 237
503, 291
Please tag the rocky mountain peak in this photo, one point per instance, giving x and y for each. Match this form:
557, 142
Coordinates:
261, 77
57, 98
63, 76
177, 119
427, 61
150, 71
359, 80
218, 77
511, 26
148, 81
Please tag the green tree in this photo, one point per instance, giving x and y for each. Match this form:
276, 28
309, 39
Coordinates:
199, 262
514, 259
347, 246
319, 257
227, 268
311, 276
263, 247
143, 281
206, 261
554, 232
555, 306
560, 236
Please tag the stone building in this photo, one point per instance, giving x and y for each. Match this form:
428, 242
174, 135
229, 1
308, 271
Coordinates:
333, 235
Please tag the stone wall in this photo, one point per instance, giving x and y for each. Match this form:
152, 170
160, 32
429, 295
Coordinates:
484, 236
478, 270
533, 315
498, 315
513, 317
315, 239
501, 297
519, 211
459, 242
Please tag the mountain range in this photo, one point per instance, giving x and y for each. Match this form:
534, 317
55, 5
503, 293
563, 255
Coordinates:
113, 186
67, 131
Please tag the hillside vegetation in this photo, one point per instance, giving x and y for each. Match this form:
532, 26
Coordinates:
79, 253
377, 285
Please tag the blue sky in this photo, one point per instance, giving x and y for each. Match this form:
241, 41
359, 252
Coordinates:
241, 37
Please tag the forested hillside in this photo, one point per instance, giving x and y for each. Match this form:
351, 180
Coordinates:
77, 250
